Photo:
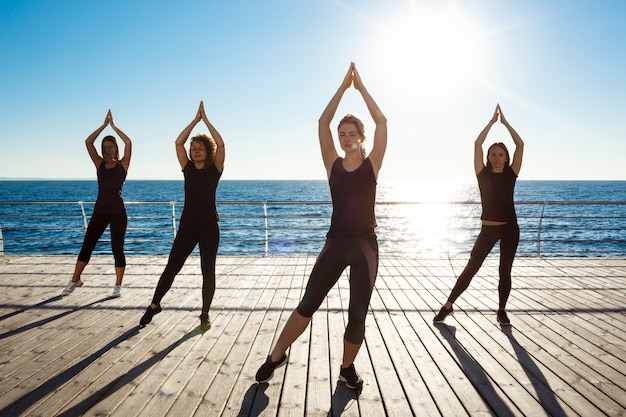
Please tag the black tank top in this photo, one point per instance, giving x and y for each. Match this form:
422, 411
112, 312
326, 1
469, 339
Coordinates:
354, 195
200, 188
496, 195
110, 183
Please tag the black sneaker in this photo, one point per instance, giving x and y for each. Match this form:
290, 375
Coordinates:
350, 377
147, 316
205, 322
266, 371
443, 313
503, 319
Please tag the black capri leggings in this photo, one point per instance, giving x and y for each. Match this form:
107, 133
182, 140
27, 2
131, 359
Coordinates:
362, 257
97, 225
508, 235
208, 238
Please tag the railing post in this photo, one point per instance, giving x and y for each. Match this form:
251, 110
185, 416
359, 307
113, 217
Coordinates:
543, 208
1, 243
82, 209
173, 203
266, 228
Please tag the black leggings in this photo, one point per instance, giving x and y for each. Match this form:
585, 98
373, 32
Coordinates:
97, 225
508, 235
362, 257
208, 238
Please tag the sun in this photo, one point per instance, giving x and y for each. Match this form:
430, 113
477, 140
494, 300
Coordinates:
436, 47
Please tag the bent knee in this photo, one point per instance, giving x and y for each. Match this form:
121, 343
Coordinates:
355, 332
306, 309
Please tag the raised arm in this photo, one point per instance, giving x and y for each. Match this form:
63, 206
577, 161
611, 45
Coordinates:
181, 153
89, 142
380, 133
516, 163
220, 152
479, 159
128, 145
327, 145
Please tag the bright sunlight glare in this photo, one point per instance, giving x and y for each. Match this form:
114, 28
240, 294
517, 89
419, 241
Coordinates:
437, 48
439, 215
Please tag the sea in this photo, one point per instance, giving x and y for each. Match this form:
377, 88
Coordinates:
416, 218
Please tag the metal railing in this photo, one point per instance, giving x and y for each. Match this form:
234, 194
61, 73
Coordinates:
405, 229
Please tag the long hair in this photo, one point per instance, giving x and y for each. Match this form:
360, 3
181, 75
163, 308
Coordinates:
360, 128
111, 139
209, 145
506, 151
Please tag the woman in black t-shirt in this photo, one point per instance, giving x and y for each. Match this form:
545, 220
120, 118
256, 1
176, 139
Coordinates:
109, 209
198, 223
351, 240
496, 181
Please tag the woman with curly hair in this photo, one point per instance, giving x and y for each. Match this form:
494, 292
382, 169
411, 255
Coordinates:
202, 170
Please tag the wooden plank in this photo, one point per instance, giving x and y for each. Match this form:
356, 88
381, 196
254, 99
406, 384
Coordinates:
261, 329
185, 364
64, 344
132, 380
83, 355
268, 396
208, 359
410, 362
175, 325
318, 382
344, 401
397, 375
563, 378
454, 362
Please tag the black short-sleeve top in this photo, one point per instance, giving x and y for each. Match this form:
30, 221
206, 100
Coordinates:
496, 194
200, 188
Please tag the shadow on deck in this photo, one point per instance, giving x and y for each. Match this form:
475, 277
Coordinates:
84, 354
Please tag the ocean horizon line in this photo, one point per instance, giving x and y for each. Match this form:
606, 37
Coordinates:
303, 179
573, 217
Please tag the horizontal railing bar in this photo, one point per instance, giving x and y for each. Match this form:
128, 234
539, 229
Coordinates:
169, 203
311, 229
278, 228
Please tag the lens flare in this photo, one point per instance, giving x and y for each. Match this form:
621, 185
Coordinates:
169, 388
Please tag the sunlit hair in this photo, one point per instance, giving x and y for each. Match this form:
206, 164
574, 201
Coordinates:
506, 151
360, 128
210, 146
111, 139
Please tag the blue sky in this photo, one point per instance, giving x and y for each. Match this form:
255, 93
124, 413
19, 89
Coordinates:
266, 70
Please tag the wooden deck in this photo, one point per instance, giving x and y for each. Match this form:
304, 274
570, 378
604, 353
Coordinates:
565, 354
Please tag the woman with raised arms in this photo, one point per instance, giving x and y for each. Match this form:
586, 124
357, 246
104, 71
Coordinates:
198, 225
496, 181
109, 209
351, 240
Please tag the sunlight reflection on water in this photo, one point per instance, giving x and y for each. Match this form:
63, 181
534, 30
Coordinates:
432, 228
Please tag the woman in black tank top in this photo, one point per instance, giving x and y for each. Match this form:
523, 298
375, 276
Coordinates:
351, 240
496, 181
109, 209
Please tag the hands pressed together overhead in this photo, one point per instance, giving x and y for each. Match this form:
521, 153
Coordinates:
498, 114
108, 121
201, 115
352, 78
